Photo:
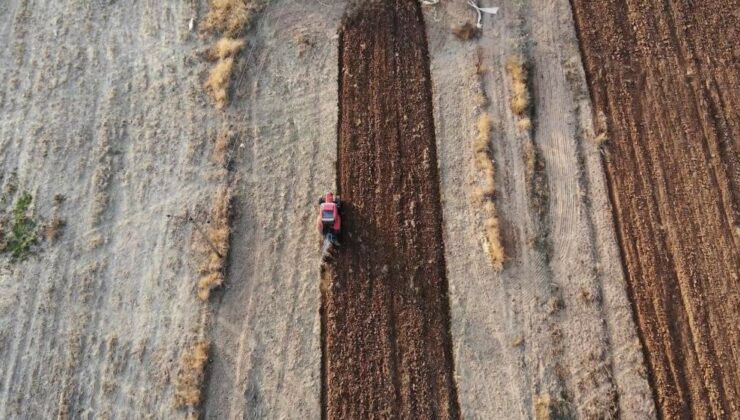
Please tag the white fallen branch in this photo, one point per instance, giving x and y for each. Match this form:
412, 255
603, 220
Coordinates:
481, 10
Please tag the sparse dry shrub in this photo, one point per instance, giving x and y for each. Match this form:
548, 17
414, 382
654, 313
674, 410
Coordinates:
520, 100
484, 127
189, 382
217, 84
225, 48
483, 161
221, 148
220, 237
222, 205
520, 92
209, 282
466, 31
481, 100
515, 67
219, 233
494, 244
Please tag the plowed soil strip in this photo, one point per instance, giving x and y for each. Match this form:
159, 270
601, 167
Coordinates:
666, 76
385, 326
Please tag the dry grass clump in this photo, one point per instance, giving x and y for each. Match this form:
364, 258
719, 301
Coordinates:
483, 156
228, 16
225, 48
218, 235
481, 100
493, 237
524, 124
484, 194
520, 92
466, 31
217, 84
191, 375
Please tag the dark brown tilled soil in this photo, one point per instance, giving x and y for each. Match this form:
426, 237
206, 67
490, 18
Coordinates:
386, 342
666, 76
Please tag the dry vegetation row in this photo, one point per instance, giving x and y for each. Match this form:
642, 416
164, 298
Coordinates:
230, 19
484, 192
212, 243
521, 107
519, 91
217, 244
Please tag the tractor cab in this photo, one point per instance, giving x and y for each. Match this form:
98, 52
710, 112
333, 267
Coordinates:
328, 212
330, 219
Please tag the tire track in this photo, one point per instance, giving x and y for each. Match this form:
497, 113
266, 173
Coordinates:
385, 315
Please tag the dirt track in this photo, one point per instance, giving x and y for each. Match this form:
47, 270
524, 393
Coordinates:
386, 323
666, 76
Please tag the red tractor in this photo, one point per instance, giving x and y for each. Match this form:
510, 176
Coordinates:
329, 221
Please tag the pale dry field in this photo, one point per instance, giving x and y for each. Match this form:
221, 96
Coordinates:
101, 103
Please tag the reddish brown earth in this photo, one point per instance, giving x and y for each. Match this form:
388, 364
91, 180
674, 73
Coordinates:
666, 76
386, 341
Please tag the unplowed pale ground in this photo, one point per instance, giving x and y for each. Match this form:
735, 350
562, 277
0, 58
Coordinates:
266, 329
101, 103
